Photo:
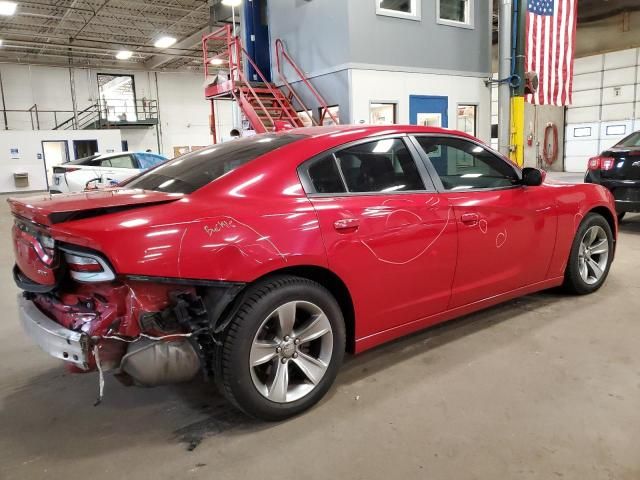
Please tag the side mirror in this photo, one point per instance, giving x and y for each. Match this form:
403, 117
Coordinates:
532, 177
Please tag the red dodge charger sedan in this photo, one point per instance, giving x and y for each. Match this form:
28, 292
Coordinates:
261, 261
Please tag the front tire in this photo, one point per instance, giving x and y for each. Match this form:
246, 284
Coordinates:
282, 350
590, 257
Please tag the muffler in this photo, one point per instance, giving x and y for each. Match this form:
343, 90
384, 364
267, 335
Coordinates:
151, 362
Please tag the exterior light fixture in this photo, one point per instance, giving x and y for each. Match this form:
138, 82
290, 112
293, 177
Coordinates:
8, 8
124, 55
164, 42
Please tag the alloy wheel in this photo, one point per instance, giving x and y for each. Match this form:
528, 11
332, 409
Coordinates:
291, 351
593, 254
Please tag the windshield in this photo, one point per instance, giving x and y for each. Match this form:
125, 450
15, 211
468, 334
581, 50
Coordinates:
632, 140
189, 172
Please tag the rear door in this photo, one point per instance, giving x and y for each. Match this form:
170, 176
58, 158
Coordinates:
506, 231
389, 235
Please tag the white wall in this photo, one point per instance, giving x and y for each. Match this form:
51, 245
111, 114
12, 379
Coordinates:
385, 86
606, 104
184, 112
31, 159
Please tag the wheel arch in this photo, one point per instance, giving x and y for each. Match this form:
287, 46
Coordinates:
336, 287
609, 217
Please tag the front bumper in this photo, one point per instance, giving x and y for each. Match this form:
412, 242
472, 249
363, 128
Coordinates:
53, 338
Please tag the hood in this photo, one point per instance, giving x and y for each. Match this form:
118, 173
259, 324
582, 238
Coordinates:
50, 209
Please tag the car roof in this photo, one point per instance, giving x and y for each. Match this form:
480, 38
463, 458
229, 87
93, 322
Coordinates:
366, 130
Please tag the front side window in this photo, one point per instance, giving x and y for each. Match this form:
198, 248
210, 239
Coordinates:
458, 13
123, 161
463, 165
409, 9
189, 172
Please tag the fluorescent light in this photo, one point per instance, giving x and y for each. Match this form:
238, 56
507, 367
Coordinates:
8, 8
124, 55
0, 42
216, 61
471, 175
232, 3
164, 42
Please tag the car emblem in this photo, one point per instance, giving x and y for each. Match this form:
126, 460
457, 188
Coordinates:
636, 164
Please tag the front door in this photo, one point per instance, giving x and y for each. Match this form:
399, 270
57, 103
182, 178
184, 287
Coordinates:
429, 110
506, 231
388, 234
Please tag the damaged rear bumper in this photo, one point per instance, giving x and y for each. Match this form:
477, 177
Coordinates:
53, 338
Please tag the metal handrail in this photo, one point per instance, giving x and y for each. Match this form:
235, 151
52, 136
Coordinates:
281, 50
236, 73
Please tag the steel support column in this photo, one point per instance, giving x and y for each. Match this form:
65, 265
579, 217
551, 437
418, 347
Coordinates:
504, 72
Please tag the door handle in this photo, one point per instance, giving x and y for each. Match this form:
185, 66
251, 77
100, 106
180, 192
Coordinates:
469, 218
346, 224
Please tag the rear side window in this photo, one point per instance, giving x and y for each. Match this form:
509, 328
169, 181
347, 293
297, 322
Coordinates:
631, 141
325, 177
379, 166
189, 172
148, 160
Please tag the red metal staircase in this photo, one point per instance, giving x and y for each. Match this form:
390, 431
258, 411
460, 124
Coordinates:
264, 105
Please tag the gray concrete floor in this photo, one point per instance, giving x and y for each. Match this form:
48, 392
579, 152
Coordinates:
543, 387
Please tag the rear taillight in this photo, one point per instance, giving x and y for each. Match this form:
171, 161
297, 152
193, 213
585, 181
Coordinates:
601, 163
42, 243
85, 267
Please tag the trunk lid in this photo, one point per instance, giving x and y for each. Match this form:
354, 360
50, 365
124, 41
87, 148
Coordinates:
51, 209
37, 256
626, 165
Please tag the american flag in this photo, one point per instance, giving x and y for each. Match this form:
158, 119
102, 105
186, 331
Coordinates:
551, 35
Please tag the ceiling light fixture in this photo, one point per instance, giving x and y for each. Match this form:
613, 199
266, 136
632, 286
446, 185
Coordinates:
164, 42
124, 54
0, 42
216, 61
232, 3
8, 8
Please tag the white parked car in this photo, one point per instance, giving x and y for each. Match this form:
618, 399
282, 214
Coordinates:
98, 171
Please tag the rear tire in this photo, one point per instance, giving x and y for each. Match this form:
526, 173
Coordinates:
282, 350
590, 257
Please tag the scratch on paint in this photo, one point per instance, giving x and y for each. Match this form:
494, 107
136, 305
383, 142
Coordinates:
421, 252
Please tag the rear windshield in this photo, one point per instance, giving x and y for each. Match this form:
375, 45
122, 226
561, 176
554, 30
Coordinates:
632, 140
189, 172
83, 160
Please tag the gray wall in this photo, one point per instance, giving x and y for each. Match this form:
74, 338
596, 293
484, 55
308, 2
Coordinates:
334, 88
316, 33
381, 40
324, 34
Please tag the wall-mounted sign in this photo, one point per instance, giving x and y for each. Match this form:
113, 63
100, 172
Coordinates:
110, 150
39, 156
15, 153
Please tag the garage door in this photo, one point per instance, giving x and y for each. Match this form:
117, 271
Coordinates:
606, 105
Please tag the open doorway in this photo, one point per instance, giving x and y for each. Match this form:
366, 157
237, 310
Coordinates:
117, 98
84, 148
54, 153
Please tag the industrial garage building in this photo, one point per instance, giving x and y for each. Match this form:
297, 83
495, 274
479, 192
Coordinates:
409, 118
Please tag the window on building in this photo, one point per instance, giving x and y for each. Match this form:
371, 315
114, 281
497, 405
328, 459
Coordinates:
117, 98
464, 165
382, 113
305, 116
327, 120
466, 121
409, 9
458, 13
